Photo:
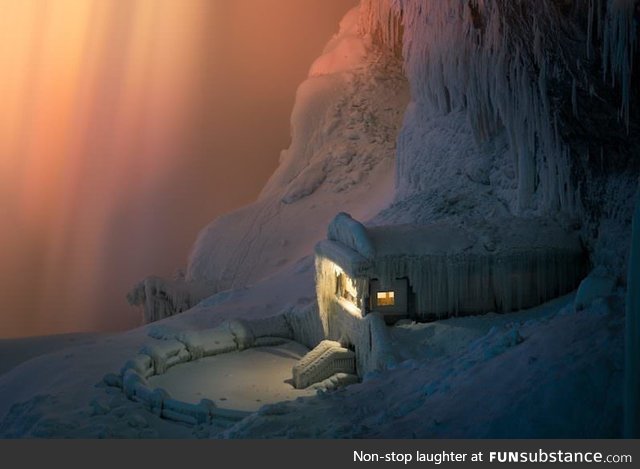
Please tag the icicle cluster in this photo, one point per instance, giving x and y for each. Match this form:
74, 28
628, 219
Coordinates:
620, 36
161, 298
381, 20
449, 285
326, 288
497, 60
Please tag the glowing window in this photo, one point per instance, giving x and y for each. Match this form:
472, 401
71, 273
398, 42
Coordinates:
385, 298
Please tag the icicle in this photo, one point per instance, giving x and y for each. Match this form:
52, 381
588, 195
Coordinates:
618, 48
574, 97
487, 73
590, 28
161, 298
381, 20
461, 284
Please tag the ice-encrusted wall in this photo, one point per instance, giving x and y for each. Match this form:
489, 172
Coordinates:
344, 322
500, 266
451, 285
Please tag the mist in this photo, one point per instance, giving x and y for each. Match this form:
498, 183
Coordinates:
125, 128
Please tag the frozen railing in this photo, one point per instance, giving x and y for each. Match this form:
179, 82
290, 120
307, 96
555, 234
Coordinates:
324, 361
158, 356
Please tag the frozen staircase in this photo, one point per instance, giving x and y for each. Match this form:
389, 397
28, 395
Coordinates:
324, 361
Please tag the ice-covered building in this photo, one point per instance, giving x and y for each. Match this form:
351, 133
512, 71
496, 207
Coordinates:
441, 270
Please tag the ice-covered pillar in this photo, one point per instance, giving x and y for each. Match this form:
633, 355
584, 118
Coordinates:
632, 335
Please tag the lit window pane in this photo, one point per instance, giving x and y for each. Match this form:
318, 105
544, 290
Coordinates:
385, 298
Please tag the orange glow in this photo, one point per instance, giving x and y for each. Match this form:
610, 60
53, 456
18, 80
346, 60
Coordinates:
125, 127
85, 84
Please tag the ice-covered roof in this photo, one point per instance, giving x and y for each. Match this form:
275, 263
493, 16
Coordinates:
352, 262
504, 237
352, 245
419, 240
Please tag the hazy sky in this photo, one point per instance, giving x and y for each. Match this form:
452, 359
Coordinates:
125, 128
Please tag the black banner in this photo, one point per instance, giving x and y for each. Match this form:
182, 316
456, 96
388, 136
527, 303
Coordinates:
302, 454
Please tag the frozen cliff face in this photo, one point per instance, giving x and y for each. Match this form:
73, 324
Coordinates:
517, 108
342, 157
344, 125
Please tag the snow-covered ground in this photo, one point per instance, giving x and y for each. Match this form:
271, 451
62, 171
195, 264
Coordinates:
16, 351
549, 371
244, 380
462, 158
57, 394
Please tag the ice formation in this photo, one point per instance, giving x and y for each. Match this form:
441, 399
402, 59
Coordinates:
632, 328
507, 59
598, 284
619, 42
344, 123
490, 128
161, 298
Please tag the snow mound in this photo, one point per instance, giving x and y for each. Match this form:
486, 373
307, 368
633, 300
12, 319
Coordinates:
344, 51
598, 284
